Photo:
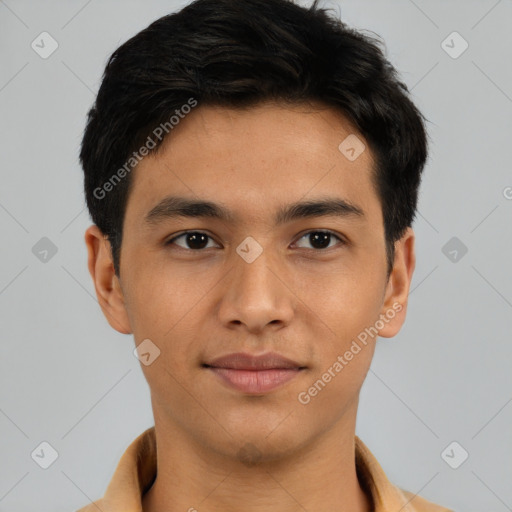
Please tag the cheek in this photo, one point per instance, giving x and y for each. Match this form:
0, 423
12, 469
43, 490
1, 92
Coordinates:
345, 301
161, 299
346, 309
167, 307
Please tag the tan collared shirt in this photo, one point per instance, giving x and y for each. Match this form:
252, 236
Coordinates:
136, 472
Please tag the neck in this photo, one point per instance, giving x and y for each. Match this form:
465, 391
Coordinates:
320, 476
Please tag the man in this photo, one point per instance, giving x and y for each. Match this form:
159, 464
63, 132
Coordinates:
252, 170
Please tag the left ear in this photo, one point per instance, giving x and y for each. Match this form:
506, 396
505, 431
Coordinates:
396, 296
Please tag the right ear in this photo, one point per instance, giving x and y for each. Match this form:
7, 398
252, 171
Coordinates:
108, 288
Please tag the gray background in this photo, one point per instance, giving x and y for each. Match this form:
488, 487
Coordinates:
69, 379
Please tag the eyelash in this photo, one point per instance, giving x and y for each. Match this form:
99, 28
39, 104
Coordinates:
343, 242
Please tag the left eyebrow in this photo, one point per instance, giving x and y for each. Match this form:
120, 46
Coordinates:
176, 206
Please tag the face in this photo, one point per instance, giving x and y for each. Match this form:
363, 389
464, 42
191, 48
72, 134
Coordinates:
250, 274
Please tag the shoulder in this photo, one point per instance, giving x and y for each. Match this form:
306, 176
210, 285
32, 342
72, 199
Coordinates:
420, 504
94, 506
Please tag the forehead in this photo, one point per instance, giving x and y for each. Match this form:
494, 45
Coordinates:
256, 160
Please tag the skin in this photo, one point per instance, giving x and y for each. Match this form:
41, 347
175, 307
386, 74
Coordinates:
304, 302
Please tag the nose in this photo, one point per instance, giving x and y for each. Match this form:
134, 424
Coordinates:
256, 295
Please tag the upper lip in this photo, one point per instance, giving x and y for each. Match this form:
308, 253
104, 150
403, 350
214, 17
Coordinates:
244, 361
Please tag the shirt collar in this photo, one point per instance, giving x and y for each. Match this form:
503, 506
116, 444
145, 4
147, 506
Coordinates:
136, 472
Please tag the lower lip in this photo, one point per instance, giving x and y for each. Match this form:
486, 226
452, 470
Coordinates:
255, 381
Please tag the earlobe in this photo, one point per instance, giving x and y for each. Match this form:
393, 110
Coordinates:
106, 283
394, 308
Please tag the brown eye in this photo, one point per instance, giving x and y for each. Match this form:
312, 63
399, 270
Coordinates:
194, 240
321, 239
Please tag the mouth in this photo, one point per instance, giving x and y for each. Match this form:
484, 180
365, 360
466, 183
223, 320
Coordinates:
254, 374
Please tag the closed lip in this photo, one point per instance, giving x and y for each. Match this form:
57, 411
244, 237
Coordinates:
245, 361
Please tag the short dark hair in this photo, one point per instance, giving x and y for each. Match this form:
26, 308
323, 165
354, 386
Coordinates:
238, 53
